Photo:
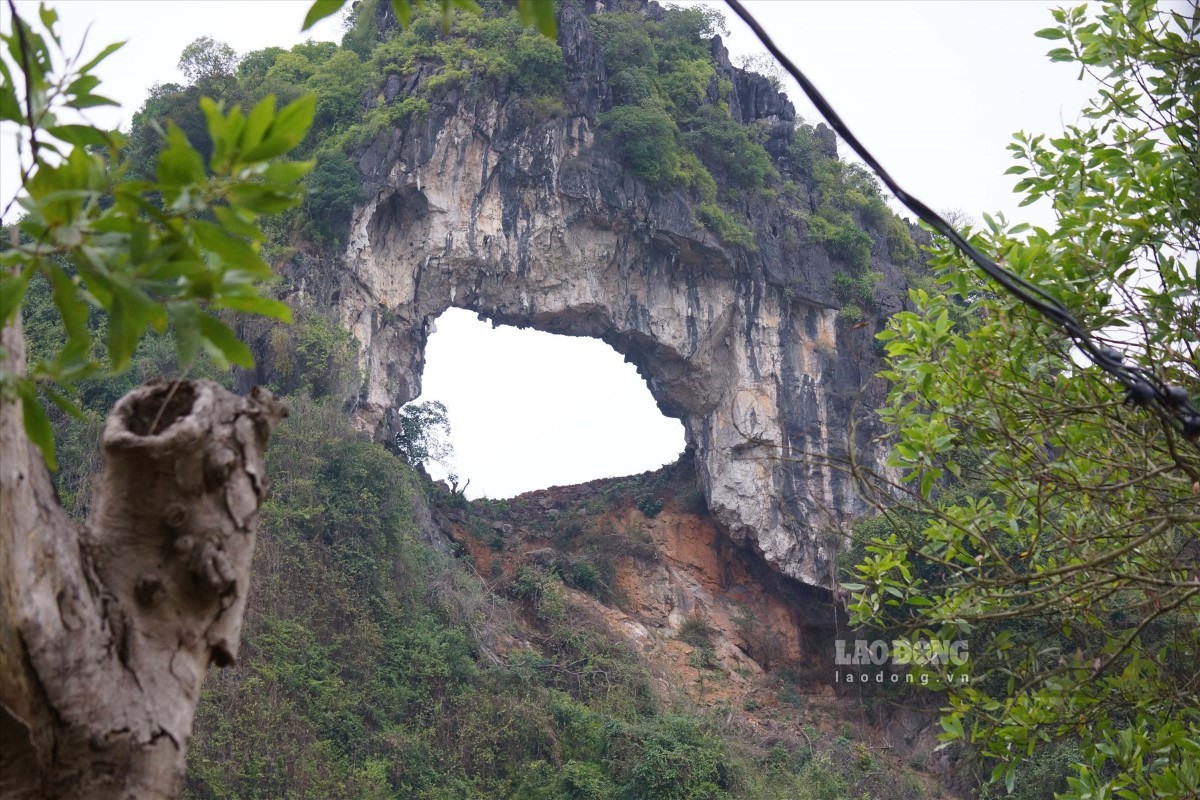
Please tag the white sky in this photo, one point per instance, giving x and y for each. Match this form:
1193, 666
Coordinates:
935, 89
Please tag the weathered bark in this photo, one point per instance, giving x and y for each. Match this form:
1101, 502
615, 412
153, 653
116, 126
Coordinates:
107, 629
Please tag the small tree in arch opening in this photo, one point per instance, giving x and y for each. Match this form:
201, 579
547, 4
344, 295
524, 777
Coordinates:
422, 434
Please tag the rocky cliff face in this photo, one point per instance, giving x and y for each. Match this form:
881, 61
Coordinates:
537, 225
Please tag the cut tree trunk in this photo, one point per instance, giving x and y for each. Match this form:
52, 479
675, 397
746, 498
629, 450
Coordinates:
107, 629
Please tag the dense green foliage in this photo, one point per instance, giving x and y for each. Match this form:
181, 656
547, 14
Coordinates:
312, 357
423, 434
1048, 519
671, 123
850, 202
532, 13
333, 190
662, 121
375, 666
663, 70
164, 253
346, 82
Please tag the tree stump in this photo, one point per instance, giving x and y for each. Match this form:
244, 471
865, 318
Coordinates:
107, 629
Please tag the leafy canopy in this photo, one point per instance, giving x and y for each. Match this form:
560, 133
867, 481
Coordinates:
423, 434
1051, 525
536, 13
205, 60
166, 253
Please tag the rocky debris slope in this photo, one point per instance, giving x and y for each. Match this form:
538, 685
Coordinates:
642, 559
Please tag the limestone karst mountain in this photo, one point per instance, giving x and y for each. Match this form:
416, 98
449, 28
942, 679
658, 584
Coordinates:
539, 219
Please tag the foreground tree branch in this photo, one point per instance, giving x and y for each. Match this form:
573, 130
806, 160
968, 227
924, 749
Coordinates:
1046, 517
107, 629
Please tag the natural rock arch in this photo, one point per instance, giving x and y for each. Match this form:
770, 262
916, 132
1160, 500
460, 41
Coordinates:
532, 224
758, 377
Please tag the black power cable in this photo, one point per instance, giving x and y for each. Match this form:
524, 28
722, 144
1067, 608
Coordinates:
1142, 387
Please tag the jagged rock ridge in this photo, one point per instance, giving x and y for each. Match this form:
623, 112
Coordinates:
539, 226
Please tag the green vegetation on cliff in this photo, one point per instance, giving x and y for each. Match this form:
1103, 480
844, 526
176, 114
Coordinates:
669, 121
663, 120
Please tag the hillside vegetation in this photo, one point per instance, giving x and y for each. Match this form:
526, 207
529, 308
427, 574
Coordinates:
377, 663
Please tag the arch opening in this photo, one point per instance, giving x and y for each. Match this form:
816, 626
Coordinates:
530, 410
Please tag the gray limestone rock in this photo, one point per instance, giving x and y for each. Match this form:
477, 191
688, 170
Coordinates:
533, 224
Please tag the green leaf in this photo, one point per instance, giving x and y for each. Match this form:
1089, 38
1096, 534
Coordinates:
21, 46
538, 13
258, 122
288, 172
263, 306
82, 135
91, 101
233, 252
105, 53
215, 121
10, 108
296, 117
65, 403
37, 423
12, 291
123, 332
262, 199
74, 313
1051, 33
238, 224
83, 85
185, 324
288, 130
320, 10
222, 344
403, 12
179, 164
48, 16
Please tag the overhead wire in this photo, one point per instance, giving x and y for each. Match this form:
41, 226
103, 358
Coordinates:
1142, 387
